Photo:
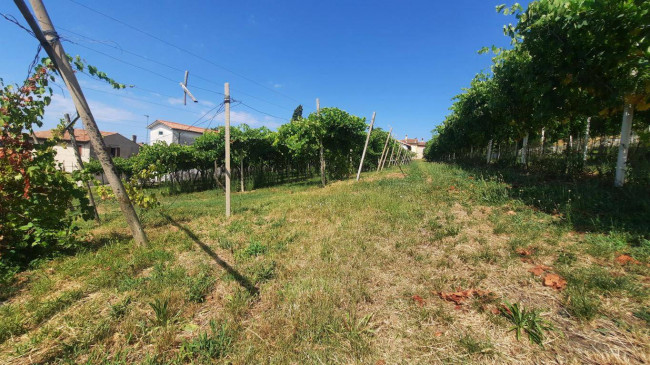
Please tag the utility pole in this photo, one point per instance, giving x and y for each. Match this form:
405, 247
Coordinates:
80, 163
49, 40
147, 127
226, 101
383, 152
365, 146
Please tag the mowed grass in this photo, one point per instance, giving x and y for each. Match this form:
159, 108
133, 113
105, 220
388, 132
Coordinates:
349, 273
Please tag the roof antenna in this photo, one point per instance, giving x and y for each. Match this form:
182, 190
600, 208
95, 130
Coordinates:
186, 92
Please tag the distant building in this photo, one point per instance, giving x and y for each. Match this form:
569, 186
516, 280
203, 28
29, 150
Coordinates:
116, 144
414, 145
170, 132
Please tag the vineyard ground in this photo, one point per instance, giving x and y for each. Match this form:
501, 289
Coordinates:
350, 273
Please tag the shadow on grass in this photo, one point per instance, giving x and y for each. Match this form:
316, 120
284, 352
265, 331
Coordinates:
241, 279
588, 203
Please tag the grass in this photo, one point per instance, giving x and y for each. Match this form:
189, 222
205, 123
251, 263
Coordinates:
303, 274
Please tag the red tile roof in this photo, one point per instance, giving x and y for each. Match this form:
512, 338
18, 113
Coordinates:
414, 141
179, 126
81, 135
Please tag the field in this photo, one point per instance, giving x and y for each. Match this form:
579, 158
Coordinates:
433, 266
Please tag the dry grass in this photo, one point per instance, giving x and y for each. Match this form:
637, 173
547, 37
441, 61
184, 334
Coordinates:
310, 275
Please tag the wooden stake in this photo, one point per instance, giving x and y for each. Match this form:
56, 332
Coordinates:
384, 150
49, 39
226, 102
365, 146
80, 163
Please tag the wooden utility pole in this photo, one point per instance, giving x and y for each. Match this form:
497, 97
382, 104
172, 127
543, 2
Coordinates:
381, 160
226, 102
365, 146
49, 39
321, 148
80, 163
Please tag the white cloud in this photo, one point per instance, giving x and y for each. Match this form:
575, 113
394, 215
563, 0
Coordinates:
175, 101
240, 117
101, 111
277, 86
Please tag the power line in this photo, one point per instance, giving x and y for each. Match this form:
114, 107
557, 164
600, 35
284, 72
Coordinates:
198, 76
259, 111
183, 50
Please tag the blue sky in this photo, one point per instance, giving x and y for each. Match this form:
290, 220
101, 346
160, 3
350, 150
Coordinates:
403, 59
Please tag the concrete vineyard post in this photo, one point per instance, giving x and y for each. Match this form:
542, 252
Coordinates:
365, 146
226, 101
623, 147
46, 34
488, 156
321, 149
585, 145
383, 152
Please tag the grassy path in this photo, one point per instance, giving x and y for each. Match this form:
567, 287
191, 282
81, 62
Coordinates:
351, 273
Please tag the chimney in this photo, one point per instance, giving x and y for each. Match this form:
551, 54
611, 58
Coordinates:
406, 138
134, 138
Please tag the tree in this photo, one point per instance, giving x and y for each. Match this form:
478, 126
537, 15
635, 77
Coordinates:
297, 114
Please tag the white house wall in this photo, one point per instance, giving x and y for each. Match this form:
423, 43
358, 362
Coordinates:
161, 133
66, 157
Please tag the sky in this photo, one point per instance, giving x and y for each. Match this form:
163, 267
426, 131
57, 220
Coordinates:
404, 60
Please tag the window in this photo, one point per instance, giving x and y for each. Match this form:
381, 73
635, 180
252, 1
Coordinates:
115, 152
81, 150
160, 133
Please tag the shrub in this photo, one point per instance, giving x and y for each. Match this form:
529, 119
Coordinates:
37, 197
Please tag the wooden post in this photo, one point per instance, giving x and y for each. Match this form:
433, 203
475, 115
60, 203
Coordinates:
226, 101
365, 146
381, 160
80, 163
321, 149
49, 40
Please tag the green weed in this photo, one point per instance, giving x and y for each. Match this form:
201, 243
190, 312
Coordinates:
161, 311
199, 287
208, 346
119, 309
527, 320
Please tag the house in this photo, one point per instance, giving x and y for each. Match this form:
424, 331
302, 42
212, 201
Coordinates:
414, 145
170, 132
116, 144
